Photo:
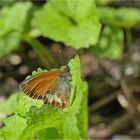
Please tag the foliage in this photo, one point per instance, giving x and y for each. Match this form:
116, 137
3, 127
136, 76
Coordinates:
38, 71
73, 23
103, 2
111, 40
74, 28
13, 21
76, 24
6, 3
8, 106
121, 17
110, 43
47, 122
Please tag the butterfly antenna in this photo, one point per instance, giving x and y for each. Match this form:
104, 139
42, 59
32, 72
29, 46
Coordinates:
60, 54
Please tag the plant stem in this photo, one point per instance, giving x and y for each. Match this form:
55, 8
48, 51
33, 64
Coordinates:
132, 102
44, 54
104, 101
126, 58
128, 42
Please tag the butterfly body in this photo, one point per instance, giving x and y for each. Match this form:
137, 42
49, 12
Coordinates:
53, 87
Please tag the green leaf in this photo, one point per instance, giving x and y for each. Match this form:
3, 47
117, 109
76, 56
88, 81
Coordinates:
14, 18
19, 103
14, 127
77, 112
73, 23
6, 3
119, 17
12, 23
24, 103
82, 123
48, 133
103, 2
8, 43
70, 129
38, 71
110, 44
9, 105
39, 118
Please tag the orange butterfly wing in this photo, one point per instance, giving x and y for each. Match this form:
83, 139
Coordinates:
37, 85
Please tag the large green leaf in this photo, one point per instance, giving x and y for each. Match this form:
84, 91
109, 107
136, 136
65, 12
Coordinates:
13, 21
24, 103
6, 2
41, 118
48, 133
14, 18
14, 128
120, 17
82, 115
77, 112
103, 2
74, 23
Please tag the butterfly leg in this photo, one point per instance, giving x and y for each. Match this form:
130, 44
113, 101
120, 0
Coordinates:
65, 101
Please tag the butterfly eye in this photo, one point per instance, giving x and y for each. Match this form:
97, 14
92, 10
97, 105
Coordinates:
48, 91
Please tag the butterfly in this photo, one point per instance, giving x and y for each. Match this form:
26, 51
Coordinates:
53, 87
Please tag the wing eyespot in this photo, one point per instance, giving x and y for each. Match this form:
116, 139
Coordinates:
48, 91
